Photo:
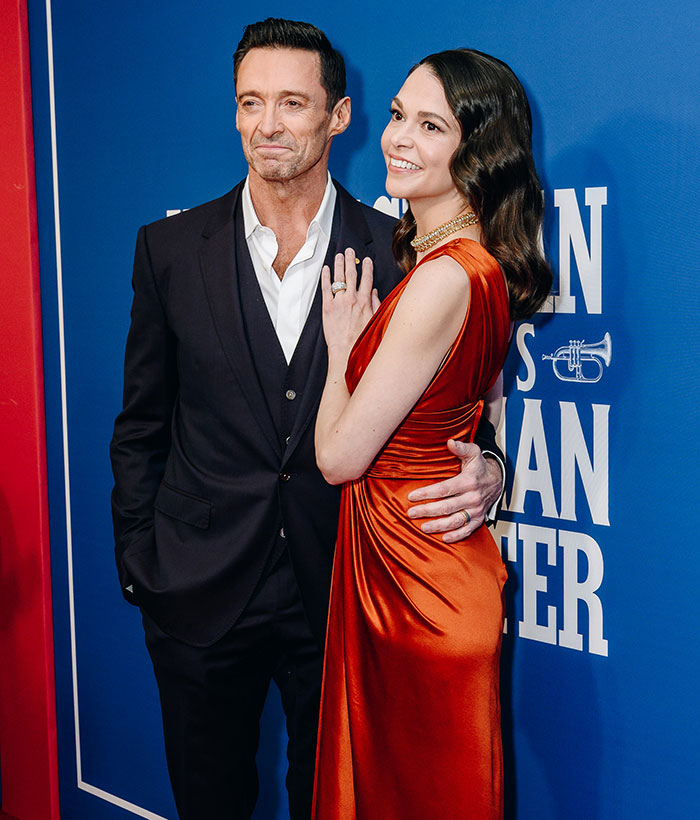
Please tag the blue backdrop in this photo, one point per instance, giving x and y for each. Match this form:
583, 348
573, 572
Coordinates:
134, 116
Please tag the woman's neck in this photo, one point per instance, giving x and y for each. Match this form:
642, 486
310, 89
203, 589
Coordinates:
431, 215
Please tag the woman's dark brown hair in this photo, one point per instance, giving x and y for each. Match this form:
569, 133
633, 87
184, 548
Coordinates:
494, 169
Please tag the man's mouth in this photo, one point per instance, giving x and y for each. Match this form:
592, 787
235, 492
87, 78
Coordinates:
271, 146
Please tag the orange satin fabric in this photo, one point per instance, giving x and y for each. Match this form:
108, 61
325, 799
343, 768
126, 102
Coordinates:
410, 713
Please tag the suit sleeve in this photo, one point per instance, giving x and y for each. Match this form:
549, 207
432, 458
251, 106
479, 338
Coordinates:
485, 437
142, 431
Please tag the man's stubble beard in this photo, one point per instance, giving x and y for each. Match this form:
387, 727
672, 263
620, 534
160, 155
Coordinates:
275, 171
280, 171
283, 170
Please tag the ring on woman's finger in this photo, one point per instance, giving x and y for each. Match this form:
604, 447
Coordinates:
467, 517
336, 287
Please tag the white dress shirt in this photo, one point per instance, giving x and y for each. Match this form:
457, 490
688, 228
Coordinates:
289, 299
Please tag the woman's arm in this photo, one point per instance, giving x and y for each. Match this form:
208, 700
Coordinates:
350, 430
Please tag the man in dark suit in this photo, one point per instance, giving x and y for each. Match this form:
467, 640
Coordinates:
224, 526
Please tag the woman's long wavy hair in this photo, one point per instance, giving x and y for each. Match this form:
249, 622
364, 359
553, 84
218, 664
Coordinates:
494, 169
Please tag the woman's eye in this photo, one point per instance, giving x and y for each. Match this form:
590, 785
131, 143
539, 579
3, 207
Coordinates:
430, 126
395, 115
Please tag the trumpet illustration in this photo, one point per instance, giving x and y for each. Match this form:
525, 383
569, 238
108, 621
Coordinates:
581, 362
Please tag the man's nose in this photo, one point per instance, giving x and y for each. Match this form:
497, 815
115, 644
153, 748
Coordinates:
270, 121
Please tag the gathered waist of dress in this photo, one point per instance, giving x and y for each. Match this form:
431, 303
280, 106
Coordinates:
418, 448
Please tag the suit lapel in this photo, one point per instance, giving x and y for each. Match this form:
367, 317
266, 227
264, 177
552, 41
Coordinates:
349, 230
217, 261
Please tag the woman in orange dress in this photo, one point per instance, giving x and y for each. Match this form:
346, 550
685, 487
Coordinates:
410, 714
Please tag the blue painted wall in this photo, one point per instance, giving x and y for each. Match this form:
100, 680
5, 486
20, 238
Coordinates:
600, 660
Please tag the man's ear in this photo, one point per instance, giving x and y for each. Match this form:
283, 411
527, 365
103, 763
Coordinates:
340, 117
237, 128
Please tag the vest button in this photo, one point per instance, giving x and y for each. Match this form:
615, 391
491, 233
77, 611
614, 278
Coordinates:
282, 535
291, 395
284, 476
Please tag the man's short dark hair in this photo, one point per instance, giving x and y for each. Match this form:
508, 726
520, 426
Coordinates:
277, 33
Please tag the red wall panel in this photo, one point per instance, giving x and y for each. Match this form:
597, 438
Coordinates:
27, 701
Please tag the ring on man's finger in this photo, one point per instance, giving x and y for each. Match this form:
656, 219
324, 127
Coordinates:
467, 517
336, 287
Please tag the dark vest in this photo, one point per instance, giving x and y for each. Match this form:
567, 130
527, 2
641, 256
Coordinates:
282, 384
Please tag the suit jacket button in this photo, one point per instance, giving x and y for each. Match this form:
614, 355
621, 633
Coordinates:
291, 395
284, 476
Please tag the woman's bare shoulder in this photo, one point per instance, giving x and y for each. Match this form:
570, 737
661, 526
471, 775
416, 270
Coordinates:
440, 275
435, 298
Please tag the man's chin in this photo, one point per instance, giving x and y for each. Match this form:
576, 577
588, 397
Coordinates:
274, 171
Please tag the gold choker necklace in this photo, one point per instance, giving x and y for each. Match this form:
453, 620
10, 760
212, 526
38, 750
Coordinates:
425, 242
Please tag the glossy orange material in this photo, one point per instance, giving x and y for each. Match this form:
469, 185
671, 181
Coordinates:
410, 713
